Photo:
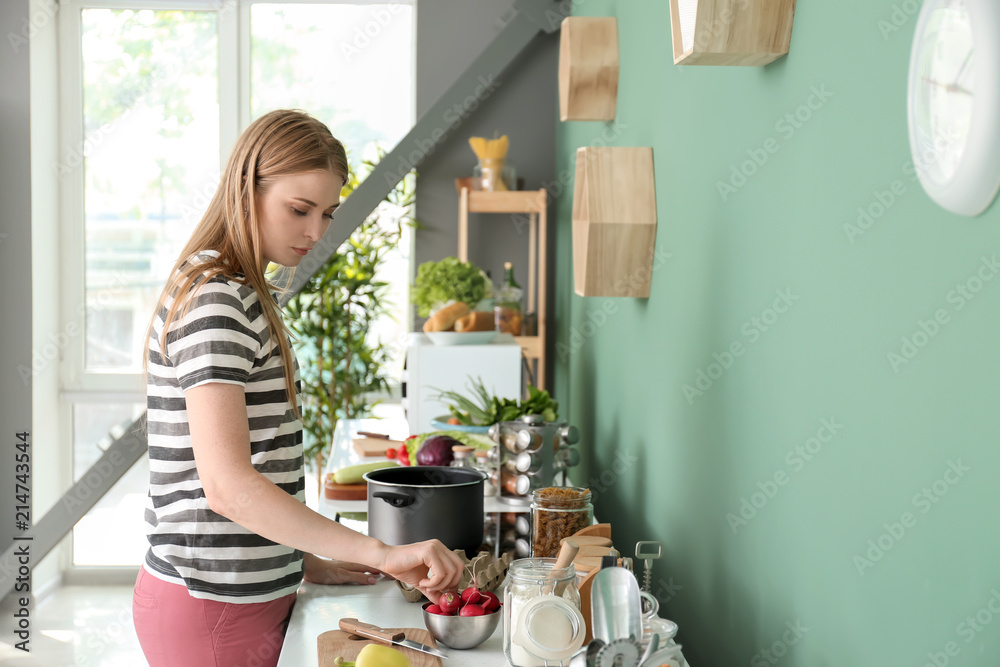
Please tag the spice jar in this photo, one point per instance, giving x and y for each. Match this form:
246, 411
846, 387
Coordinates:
541, 604
462, 457
558, 512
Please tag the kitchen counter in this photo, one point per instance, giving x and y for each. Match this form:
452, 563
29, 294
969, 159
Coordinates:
319, 608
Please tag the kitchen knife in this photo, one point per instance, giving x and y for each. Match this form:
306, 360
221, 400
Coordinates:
370, 631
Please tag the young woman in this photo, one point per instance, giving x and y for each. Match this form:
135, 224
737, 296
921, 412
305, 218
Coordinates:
230, 536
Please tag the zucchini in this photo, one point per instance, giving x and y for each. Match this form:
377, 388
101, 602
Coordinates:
352, 474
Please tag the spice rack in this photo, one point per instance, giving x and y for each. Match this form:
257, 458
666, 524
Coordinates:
534, 204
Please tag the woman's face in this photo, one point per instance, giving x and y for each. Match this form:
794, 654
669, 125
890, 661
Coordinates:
294, 213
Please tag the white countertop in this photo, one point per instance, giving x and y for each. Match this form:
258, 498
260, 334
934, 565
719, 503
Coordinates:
320, 608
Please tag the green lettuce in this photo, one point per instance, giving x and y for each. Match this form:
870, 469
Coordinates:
448, 280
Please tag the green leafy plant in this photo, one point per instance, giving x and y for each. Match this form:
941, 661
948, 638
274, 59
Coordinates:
342, 363
482, 409
448, 280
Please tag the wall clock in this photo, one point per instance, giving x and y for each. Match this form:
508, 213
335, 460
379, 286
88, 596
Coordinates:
953, 103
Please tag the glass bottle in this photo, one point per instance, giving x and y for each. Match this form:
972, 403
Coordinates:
558, 512
462, 457
507, 312
540, 604
482, 463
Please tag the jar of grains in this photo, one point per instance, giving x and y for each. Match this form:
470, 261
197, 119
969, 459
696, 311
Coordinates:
558, 512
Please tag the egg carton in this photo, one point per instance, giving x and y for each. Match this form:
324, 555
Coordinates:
490, 573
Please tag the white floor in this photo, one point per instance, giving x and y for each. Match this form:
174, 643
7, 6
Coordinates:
77, 626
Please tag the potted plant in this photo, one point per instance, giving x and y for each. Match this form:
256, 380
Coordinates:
342, 363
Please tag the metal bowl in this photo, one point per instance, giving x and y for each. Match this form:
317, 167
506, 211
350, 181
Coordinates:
460, 632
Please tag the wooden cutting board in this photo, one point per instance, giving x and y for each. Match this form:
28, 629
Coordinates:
334, 491
339, 643
370, 447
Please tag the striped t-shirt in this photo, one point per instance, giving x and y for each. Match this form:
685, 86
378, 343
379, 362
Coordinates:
223, 337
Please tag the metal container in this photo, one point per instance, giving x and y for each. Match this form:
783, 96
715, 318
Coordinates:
461, 632
417, 503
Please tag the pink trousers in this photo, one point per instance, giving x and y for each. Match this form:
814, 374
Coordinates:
177, 629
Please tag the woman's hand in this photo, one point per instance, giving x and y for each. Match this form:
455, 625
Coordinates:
429, 566
330, 572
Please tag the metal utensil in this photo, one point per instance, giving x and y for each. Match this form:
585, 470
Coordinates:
648, 551
370, 631
615, 606
651, 647
619, 653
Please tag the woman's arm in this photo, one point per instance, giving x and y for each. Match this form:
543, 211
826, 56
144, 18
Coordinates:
220, 438
331, 572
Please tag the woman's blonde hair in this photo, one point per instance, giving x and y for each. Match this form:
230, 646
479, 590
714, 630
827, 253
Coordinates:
277, 144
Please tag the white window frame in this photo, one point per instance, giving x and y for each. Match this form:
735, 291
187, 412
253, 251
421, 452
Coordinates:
234, 114
76, 383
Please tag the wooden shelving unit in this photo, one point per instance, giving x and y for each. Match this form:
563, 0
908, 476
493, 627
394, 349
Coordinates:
730, 32
533, 203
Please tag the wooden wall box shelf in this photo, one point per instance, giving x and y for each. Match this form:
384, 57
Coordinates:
614, 221
535, 204
730, 32
588, 68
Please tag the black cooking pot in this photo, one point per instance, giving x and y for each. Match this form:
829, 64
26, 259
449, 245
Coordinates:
416, 503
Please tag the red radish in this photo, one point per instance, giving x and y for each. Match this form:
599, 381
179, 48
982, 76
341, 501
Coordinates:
471, 595
449, 602
434, 609
490, 602
472, 610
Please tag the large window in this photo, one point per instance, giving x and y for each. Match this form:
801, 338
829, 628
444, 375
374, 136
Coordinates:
154, 94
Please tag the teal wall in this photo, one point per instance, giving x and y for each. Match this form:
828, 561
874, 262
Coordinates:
671, 469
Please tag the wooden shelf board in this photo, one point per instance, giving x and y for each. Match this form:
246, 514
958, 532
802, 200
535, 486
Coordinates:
532, 345
516, 201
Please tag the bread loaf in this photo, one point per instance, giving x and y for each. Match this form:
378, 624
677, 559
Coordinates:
444, 319
479, 320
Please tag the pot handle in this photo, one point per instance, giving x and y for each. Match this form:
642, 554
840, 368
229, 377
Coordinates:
394, 499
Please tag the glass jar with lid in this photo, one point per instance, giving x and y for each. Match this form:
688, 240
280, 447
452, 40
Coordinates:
542, 622
665, 630
462, 457
556, 513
